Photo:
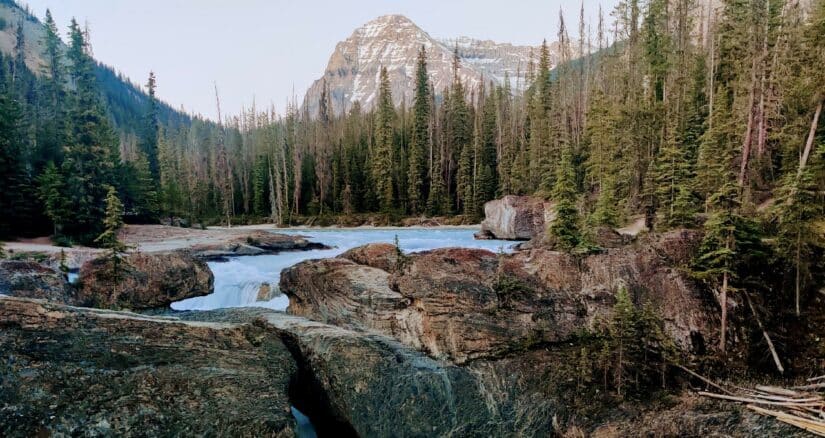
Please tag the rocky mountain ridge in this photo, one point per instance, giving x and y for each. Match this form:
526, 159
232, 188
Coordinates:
393, 41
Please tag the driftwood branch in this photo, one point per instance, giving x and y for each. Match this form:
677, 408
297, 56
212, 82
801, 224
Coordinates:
813, 426
704, 379
774, 354
805, 410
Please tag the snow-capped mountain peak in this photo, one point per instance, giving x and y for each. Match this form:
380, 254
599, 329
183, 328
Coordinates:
393, 41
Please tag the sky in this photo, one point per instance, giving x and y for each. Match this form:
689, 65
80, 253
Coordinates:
262, 50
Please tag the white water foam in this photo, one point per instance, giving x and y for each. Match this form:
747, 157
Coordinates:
238, 281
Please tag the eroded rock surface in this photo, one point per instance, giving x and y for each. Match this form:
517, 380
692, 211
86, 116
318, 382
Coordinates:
28, 279
382, 388
383, 256
516, 217
70, 371
144, 281
236, 372
256, 242
463, 304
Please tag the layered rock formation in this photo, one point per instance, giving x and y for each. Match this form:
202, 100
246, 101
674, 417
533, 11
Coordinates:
383, 256
251, 244
70, 371
80, 372
143, 281
516, 217
32, 280
393, 41
463, 304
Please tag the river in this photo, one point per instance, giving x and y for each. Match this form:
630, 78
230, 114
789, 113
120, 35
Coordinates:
238, 280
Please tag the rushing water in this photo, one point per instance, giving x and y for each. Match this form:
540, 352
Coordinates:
238, 281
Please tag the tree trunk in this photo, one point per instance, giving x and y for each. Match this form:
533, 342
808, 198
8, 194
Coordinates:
765, 334
798, 257
810, 142
723, 301
748, 139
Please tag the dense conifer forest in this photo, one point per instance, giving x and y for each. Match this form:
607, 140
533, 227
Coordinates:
687, 121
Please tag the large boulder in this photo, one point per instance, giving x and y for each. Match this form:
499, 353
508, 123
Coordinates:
516, 217
465, 304
252, 243
27, 279
71, 371
374, 386
383, 256
343, 293
652, 270
68, 371
144, 280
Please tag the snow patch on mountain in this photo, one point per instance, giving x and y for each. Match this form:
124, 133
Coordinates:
393, 41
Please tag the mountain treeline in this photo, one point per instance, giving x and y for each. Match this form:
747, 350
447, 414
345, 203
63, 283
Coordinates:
710, 122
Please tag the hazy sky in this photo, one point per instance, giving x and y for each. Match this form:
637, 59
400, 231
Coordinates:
262, 48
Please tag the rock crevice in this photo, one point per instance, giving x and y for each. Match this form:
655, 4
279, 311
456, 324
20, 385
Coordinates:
463, 305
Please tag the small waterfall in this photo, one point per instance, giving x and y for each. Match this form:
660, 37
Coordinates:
238, 281
305, 429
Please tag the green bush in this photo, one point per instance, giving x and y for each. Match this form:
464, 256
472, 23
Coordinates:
63, 241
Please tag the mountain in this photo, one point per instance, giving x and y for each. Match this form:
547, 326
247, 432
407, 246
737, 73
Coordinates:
352, 73
126, 102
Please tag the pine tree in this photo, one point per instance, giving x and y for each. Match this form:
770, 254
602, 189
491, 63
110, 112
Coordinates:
151, 129
796, 210
147, 205
170, 195
731, 245
672, 178
52, 121
459, 147
623, 340
51, 192
606, 212
260, 185
565, 227
488, 177
465, 179
11, 165
382, 159
91, 153
717, 254
109, 238
421, 138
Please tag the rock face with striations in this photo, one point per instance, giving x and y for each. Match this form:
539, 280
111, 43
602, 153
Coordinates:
463, 304
68, 371
32, 280
145, 281
516, 217
393, 41
383, 256
378, 387
256, 242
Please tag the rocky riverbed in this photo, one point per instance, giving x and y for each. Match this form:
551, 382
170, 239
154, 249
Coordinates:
446, 342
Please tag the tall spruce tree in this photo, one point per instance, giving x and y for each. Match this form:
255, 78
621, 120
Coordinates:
151, 129
12, 177
91, 153
487, 174
564, 229
421, 138
108, 239
382, 153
